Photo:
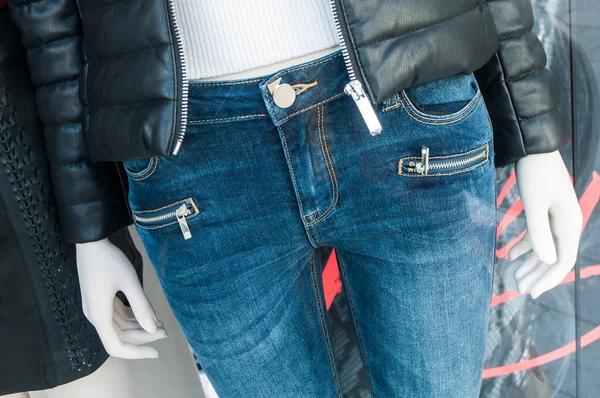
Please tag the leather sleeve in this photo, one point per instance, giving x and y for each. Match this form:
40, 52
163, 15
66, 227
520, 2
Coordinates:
518, 89
90, 195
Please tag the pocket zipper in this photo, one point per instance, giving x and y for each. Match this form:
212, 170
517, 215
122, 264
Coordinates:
425, 165
180, 214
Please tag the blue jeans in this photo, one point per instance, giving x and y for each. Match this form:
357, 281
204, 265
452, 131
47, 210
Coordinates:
235, 224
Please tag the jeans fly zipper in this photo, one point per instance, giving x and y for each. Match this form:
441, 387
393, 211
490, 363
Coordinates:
183, 83
179, 214
355, 88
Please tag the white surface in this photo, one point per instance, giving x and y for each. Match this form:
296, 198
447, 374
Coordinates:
221, 37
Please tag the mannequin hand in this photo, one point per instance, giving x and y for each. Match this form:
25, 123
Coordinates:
103, 271
554, 222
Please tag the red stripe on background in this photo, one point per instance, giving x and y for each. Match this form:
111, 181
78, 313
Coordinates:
510, 216
530, 363
589, 272
503, 251
510, 182
561, 352
332, 285
590, 337
508, 295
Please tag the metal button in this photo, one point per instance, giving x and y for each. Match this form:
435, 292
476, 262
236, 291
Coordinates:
284, 95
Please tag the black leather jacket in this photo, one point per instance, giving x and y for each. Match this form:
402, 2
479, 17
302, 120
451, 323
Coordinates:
125, 61
45, 339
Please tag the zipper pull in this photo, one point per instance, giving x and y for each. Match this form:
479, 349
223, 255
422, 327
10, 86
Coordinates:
422, 167
354, 88
180, 214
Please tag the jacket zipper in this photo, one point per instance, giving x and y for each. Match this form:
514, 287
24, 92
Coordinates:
425, 165
184, 83
355, 88
179, 214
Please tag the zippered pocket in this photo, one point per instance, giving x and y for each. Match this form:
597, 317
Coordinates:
431, 166
175, 213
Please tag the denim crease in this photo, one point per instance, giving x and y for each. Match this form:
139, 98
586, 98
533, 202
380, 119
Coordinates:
266, 192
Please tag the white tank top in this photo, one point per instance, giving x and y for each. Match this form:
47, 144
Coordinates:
224, 37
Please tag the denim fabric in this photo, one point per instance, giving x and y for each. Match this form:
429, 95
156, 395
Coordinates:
265, 191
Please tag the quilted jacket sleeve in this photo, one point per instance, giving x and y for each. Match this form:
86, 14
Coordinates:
518, 89
90, 195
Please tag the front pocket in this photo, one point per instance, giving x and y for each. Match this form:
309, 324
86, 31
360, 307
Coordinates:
440, 102
431, 166
432, 118
176, 213
140, 169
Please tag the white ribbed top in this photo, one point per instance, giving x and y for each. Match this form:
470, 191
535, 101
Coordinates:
222, 37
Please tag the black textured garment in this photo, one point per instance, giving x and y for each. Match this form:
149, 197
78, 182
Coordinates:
45, 339
90, 195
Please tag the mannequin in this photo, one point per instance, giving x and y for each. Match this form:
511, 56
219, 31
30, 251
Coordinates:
554, 222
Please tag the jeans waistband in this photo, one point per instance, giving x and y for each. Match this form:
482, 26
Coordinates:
314, 83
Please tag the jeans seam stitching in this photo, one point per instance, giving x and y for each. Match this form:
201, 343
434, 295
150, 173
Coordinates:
323, 326
149, 171
296, 190
310, 214
318, 234
329, 165
292, 170
308, 233
307, 226
227, 118
442, 118
342, 267
310, 238
393, 105
455, 118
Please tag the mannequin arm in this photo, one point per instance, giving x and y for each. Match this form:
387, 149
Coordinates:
554, 223
103, 271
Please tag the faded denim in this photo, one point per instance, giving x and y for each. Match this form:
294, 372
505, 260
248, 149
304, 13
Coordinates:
265, 190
